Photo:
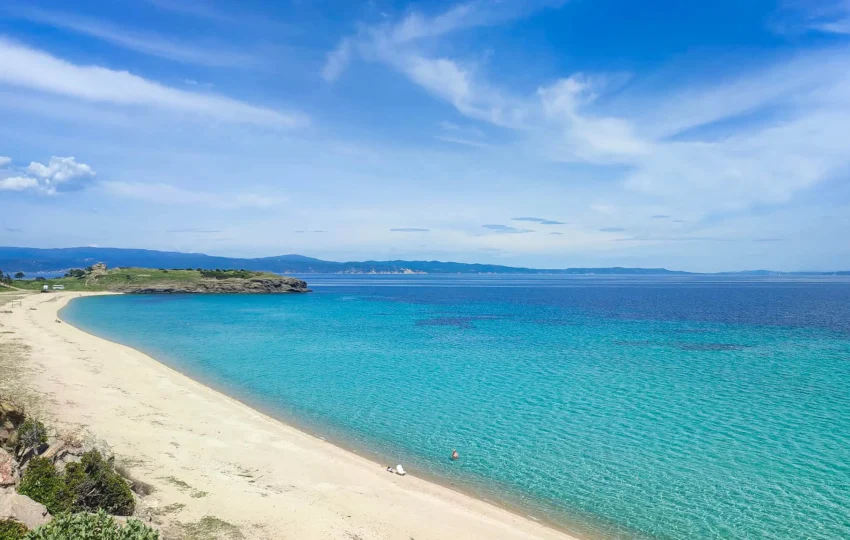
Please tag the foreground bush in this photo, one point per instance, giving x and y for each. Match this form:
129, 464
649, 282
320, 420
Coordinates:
99, 526
92, 484
95, 485
43, 484
11, 530
29, 436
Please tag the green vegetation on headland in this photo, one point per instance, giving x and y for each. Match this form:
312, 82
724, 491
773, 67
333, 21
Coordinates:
149, 280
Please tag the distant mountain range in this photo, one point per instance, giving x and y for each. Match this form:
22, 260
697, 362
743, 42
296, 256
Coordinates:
35, 260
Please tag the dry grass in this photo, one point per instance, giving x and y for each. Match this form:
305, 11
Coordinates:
211, 528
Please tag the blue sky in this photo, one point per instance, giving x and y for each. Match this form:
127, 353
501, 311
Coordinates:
547, 133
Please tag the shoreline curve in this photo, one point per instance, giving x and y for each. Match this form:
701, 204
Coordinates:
209, 454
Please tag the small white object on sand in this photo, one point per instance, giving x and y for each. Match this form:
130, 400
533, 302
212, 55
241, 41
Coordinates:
399, 470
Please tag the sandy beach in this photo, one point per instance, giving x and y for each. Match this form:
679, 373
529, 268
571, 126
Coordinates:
218, 468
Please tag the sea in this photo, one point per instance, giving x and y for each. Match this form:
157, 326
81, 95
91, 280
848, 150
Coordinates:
639, 407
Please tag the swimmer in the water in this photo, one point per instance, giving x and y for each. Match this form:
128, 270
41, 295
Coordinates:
455, 455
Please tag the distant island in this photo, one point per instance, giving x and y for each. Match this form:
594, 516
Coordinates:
133, 280
45, 261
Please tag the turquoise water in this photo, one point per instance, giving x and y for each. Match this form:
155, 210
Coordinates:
616, 408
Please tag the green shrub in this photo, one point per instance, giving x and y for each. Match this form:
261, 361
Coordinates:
29, 435
227, 274
43, 484
11, 530
99, 526
96, 485
92, 484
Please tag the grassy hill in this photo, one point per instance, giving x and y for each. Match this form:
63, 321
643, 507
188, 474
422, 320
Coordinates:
128, 279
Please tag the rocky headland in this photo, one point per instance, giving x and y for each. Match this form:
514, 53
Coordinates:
259, 285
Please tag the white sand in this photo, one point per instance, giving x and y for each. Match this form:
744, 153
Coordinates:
220, 458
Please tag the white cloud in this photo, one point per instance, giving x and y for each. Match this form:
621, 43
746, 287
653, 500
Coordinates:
57, 175
457, 84
60, 170
5, 161
584, 137
417, 26
441, 76
18, 183
167, 194
24, 67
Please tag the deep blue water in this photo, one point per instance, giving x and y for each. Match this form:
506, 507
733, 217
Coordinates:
682, 407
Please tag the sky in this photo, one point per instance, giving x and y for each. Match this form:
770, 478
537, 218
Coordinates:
702, 136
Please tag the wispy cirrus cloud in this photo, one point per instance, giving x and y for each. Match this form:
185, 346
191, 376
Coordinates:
658, 138
399, 45
461, 141
146, 43
462, 135
379, 42
826, 16
191, 7
337, 60
24, 67
216, 14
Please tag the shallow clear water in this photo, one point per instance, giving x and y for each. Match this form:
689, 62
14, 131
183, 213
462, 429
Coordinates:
617, 408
